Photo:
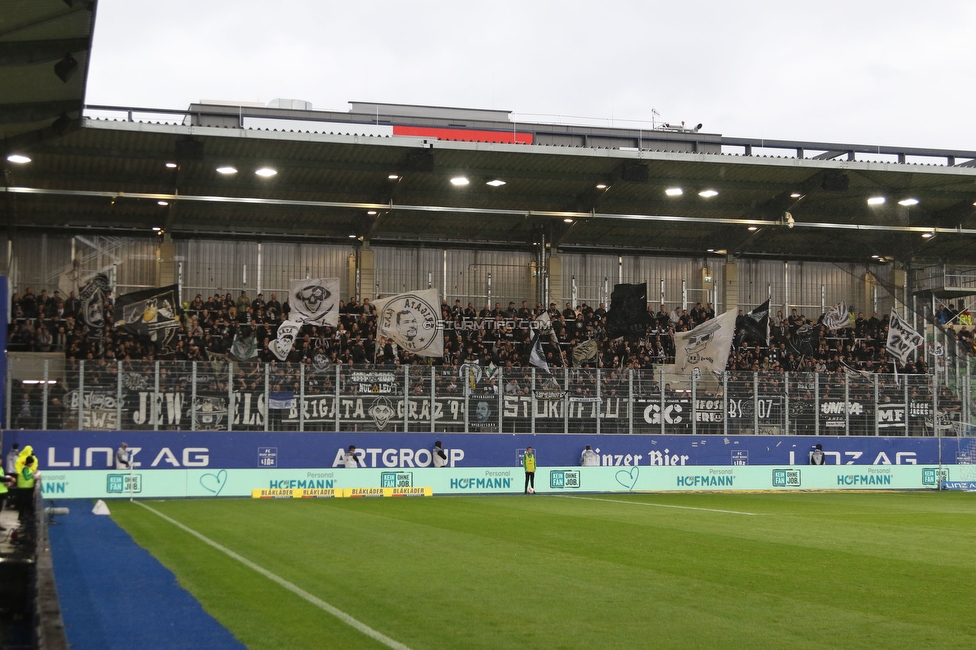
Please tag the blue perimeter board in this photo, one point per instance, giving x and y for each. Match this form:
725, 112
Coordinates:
114, 594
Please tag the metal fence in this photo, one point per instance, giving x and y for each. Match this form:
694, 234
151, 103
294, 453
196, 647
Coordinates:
222, 395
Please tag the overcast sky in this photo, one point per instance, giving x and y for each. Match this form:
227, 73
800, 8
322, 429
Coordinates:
887, 72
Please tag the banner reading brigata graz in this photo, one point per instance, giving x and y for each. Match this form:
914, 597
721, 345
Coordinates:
252, 449
146, 409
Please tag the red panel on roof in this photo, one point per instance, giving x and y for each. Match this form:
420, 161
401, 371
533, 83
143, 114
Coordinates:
465, 135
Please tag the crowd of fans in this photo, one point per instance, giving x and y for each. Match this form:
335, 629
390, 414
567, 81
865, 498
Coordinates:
496, 335
499, 335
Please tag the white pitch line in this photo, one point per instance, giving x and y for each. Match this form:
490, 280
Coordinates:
662, 505
321, 604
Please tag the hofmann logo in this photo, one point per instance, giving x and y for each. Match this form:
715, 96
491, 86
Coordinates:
396, 479
119, 483
786, 478
563, 479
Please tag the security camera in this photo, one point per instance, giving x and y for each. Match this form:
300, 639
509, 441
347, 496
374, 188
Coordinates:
789, 219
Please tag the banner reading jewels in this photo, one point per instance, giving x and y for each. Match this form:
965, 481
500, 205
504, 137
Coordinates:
376, 405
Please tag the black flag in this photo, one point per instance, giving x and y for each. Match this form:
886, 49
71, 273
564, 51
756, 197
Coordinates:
151, 313
628, 311
806, 341
755, 326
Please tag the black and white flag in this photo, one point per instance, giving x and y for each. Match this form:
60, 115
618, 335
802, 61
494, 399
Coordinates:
92, 298
755, 327
281, 346
411, 320
902, 338
837, 318
536, 356
585, 352
152, 313
705, 349
244, 347
628, 311
315, 302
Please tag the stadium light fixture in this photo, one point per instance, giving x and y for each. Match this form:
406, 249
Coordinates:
226, 170
171, 165
266, 172
908, 202
707, 194
17, 158
459, 181
876, 200
496, 182
674, 191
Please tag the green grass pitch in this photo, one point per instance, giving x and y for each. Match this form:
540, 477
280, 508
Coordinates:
882, 570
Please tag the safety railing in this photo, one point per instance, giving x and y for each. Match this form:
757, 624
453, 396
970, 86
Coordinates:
471, 398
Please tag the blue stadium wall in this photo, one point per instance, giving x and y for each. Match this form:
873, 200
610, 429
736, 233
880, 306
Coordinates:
80, 464
59, 450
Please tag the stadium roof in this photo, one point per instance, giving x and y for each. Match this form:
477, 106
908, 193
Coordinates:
44, 51
382, 173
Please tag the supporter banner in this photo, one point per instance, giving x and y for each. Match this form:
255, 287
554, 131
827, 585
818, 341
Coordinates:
410, 319
902, 338
837, 317
742, 411
705, 349
92, 313
567, 480
282, 345
755, 325
152, 314
141, 408
374, 382
63, 450
628, 311
315, 302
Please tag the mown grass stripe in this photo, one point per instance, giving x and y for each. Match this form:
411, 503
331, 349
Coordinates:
661, 505
318, 602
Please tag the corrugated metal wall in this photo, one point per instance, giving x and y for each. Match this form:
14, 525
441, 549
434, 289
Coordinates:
408, 269
594, 273
37, 261
282, 262
134, 262
457, 274
222, 266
